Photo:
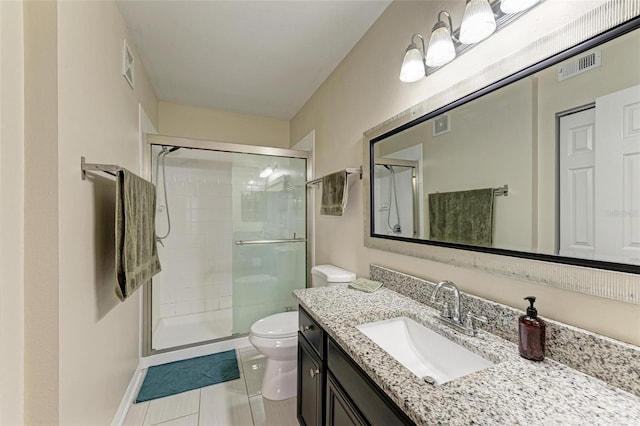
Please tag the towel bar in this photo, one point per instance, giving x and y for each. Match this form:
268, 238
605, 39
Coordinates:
288, 240
90, 167
350, 171
503, 190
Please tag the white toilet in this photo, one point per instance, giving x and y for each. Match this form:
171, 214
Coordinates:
276, 337
324, 275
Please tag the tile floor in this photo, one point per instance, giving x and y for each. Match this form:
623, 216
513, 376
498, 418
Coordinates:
234, 403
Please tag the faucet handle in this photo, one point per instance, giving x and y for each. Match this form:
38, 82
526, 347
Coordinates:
470, 322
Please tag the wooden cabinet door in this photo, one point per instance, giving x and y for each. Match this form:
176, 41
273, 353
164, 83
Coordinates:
340, 412
310, 378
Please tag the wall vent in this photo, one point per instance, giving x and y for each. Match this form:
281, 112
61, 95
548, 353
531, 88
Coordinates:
441, 125
580, 65
128, 65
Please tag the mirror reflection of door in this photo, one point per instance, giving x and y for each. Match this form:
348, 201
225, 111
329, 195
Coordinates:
600, 166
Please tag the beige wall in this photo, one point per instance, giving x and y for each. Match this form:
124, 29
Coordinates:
365, 90
11, 213
222, 126
41, 287
98, 119
81, 343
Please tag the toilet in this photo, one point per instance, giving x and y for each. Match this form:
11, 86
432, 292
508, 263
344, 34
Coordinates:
325, 275
276, 337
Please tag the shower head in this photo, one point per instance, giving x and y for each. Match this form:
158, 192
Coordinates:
167, 150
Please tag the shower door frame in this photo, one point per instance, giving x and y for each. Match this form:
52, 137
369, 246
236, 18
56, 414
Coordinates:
208, 145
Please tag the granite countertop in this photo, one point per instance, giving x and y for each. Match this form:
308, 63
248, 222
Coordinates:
513, 391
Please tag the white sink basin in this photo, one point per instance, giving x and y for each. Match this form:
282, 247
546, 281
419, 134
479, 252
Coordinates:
424, 352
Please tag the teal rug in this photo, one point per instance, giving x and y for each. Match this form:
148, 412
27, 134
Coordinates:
181, 376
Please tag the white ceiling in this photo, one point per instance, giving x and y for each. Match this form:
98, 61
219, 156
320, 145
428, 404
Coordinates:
263, 58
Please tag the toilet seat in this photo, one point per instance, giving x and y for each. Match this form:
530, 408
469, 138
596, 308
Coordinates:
277, 326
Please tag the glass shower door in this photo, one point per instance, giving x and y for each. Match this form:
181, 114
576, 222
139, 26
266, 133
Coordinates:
232, 230
269, 234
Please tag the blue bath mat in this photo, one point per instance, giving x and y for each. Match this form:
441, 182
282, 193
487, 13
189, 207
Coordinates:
181, 376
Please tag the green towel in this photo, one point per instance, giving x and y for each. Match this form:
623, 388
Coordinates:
364, 284
136, 251
464, 217
334, 194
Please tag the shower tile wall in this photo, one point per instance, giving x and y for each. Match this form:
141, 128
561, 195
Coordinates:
196, 260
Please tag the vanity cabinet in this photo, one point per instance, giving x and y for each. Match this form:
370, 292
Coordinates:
340, 411
311, 371
332, 389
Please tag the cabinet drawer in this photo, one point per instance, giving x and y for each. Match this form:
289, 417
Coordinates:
311, 331
374, 405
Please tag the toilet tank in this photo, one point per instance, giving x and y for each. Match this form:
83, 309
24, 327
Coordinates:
323, 275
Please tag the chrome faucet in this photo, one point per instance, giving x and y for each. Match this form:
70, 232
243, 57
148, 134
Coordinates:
456, 298
453, 320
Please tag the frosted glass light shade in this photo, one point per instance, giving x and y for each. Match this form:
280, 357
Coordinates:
515, 6
478, 22
412, 66
441, 49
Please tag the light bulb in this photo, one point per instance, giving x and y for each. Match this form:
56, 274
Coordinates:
412, 65
478, 22
441, 49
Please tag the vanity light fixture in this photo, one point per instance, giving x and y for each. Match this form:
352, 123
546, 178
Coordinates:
478, 22
481, 19
441, 49
413, 66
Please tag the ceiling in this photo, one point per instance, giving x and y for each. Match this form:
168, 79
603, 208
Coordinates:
263, 58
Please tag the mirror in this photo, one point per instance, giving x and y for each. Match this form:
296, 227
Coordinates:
542, 165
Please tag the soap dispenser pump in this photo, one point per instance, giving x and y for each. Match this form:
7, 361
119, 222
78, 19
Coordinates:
532, 333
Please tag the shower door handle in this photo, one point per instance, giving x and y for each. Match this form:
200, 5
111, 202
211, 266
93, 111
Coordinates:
286, 240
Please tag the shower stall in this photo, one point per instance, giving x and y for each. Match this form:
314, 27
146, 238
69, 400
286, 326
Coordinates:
231, 226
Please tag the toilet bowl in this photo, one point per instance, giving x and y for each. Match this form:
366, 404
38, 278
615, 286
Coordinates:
276, 337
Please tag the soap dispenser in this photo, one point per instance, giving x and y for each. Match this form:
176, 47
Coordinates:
532, 333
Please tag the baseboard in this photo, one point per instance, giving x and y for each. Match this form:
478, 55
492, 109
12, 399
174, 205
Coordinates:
128, 397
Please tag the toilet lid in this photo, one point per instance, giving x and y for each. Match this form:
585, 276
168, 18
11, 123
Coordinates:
284, 324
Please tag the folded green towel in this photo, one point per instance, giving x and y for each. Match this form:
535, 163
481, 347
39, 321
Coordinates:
364, 284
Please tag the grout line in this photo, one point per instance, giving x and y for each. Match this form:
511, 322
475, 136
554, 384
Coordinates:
172, 420
246, 388
199, 404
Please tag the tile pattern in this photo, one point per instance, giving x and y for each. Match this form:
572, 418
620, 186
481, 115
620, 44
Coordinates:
232, 403
514, 391
612, 361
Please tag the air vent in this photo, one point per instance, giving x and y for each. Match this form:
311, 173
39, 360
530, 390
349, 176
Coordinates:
441, 125
580, 65
128, 65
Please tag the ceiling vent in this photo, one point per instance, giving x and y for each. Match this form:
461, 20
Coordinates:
580, 65
441, 125
128, 65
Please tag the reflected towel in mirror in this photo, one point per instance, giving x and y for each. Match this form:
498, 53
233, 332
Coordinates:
464, 217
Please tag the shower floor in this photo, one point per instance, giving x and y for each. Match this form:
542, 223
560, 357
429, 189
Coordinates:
189, 329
